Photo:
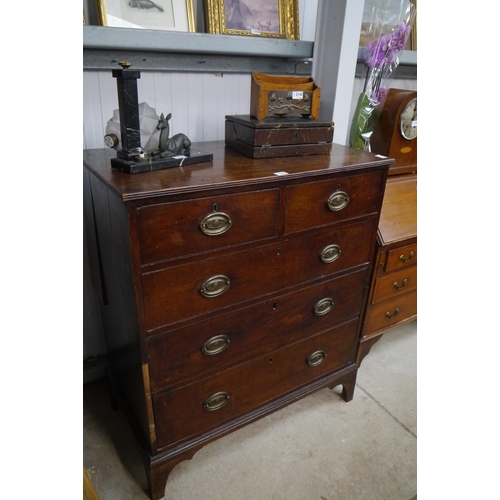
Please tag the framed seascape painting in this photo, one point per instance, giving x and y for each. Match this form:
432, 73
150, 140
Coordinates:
170, 15
268, 18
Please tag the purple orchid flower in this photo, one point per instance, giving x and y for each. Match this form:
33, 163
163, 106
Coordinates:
381, 52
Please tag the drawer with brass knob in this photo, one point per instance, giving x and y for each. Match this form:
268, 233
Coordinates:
170, 230
214, 400
320, 203
395, 284
401, 257
389, 312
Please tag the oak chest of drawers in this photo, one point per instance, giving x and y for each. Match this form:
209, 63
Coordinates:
393, 293
229, 289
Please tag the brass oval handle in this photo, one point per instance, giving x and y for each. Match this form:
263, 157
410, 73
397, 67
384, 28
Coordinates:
323, 306
216, 401
215, 345
402, 257
390, 316
215, 224
330, 253
337, 201
316, 358
215, 286
396, 284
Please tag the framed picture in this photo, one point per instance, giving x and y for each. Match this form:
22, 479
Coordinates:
413, 34
170, 15
268, 18
371, 22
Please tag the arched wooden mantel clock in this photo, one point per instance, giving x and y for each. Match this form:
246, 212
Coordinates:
395, 134
392, 300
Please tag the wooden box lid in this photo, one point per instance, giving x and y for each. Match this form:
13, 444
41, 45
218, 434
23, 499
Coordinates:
275, 122
283, 136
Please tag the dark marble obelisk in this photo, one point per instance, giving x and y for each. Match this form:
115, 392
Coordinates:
128, 102
130, 158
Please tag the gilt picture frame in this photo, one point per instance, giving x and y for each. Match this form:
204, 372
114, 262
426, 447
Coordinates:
369, 21
266, 18
169, 15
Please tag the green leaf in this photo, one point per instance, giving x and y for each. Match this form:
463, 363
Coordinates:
364, 120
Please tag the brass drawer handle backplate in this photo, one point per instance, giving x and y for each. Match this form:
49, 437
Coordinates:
215, 224
396, 284
391, 316
323, 306
402, 257
215, 286
330, 253
216, 401
215, 345
337, 201
316, 358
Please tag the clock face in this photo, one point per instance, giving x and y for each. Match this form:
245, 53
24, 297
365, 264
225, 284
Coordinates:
408, 120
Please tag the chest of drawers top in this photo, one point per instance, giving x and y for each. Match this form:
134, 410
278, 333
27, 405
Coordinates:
398, 218
229, 168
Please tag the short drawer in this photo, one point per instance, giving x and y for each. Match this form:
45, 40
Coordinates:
320, 203
401, 257
204, 405
182, 228
394, 284
203, 348
390, 312
189, 290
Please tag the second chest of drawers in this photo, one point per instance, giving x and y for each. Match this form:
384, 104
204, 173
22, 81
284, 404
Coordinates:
393, 293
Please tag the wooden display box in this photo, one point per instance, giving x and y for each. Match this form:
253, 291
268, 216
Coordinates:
278, 136
283, 95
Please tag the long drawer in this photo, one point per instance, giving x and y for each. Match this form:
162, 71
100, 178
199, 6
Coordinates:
204, 405
182, 228
390, 312
186, 291
203, 348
